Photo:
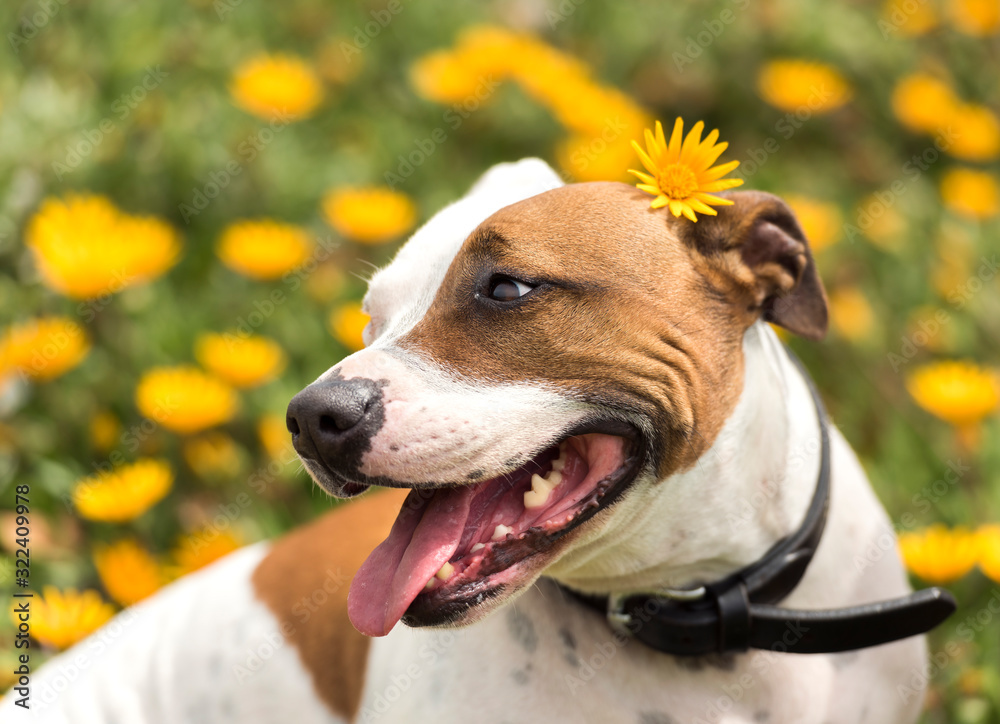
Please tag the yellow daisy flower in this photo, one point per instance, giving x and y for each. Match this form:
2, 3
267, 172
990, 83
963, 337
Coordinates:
241, 361
197, 550
921, 102
274, 436
128, 572
185, 399
212, 455
369, 215
794, 84
975, 17
125, 493
104, 429
264, 249
271, 85
682, 173
960, 393
62, 618
43, 348
347, 323
988, 542
975, 132
85, 247
974, 194
937, 554
821, 221
850, 314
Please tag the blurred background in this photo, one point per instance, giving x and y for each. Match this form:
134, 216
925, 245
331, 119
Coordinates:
192, 194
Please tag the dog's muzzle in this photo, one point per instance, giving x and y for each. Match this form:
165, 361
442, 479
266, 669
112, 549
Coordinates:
332, 423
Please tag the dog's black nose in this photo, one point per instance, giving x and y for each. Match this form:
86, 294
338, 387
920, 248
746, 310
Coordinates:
332, 421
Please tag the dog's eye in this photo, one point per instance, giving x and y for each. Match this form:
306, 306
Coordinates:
505, 289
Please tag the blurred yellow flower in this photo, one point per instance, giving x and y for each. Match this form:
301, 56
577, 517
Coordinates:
929, 327
682, 174
974, 194
242, 361
270, 86
185, 399
85, 247
821, 221
444, 77
125, 493
988, 542
62, 618
795, 84
923, 103
104, 429
213, 454
264, 249
347, 322
961, 393
974, 132
850, 314
369, 215
975, 17
937, 554
197, 550
129, 572
589, 158
43, 348
274, 436
910, 17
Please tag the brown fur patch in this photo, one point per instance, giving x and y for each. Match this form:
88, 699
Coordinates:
304, 580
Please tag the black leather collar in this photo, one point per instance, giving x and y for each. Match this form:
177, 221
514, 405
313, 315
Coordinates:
738, 612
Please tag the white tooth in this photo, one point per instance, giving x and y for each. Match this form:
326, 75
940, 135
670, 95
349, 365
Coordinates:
445, 573
477, 547
430, 583
500, 532
554, 478
559, 463
540, 484
535, 498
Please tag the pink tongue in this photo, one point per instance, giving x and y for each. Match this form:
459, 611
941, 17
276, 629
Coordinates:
423, 538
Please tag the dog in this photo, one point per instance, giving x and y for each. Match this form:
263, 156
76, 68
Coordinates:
567, 397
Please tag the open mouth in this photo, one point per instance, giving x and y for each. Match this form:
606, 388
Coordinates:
453, 547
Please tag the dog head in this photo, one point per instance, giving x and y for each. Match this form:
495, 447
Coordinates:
536, 353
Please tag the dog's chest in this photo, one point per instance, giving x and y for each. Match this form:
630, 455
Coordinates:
546, 659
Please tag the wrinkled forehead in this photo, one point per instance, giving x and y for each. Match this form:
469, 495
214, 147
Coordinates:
400, 294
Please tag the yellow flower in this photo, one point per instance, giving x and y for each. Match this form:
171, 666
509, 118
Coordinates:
264, 249
821, 221
444, 77
43, 348
274, 436
129, 572
794, 85
212, 455
974, 132
937, 554
85, 247
988, 542
910, 17
922, 102
975, 17
197, 550
974, 194
270, 86
960, 393
347, 322
683, 174
242, 361
369, 215
62, 618
123, 494
850, 314
588, 158
185, 399
104, 429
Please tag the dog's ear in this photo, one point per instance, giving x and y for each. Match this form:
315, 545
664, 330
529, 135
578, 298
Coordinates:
757, 252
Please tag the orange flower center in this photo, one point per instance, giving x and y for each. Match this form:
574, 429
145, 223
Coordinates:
677, 181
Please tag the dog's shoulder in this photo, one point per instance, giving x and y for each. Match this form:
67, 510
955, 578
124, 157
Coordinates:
304, 580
